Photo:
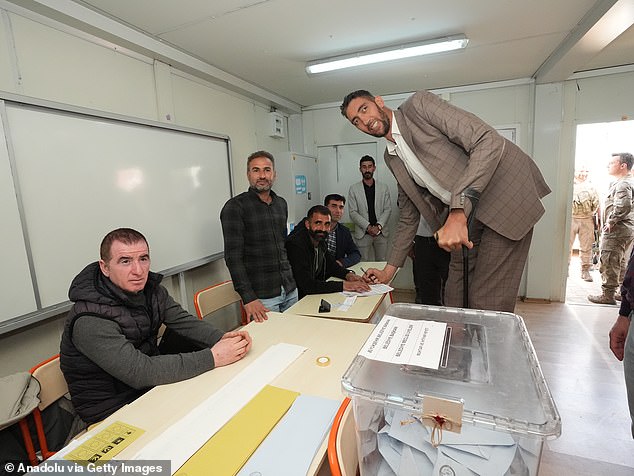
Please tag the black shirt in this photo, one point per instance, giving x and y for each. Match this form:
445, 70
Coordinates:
369, 196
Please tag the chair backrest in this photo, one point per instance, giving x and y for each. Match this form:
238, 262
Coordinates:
52, 382
213, 298
52, 387
342, 443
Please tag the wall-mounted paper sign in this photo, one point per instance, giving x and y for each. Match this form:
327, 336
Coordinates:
300, 184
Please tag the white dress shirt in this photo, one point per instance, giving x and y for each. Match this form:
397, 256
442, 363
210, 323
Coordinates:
414, 167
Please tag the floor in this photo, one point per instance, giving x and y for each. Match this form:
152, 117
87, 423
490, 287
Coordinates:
586, 381
577, 289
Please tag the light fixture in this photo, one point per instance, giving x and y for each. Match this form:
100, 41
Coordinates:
408, 50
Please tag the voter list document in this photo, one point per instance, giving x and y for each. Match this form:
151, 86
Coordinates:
405, 341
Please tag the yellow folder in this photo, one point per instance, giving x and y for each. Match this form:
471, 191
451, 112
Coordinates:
230, 448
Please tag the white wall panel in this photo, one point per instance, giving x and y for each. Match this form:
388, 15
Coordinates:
604, 98
64, 68
6, 53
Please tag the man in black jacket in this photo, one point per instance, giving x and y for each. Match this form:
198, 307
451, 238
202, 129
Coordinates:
109, 352
312, 264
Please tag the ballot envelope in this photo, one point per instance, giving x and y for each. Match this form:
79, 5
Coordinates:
447, 391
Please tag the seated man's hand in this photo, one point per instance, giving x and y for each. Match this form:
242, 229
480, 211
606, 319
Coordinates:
255, 310
358, 286
351, 276
231, 348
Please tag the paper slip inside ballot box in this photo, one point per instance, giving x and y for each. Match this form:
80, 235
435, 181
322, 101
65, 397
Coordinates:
405, 341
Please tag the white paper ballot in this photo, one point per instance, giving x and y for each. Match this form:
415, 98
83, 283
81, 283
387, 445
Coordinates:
375, 289
347, 303
405, 341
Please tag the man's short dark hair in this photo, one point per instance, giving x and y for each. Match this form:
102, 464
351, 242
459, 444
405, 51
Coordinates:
127, 236
322, 210
359, 93
367, 158
625, 158
334, 197
258, 154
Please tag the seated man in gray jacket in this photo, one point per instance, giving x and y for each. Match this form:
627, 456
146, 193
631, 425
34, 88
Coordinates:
109, 351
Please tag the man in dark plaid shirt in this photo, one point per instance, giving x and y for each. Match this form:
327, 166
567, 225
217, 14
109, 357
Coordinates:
254, 230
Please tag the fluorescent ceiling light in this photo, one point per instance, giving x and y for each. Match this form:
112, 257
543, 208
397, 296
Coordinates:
409, 50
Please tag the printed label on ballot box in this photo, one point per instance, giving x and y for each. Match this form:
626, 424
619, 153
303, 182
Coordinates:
405, 341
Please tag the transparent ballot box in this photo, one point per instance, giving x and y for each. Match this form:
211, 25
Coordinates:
449, 392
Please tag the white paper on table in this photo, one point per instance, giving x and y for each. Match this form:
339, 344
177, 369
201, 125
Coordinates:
181, 440
375, 290
406, 341
347, 303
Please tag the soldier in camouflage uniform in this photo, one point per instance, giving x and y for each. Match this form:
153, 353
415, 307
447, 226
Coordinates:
618, 228
585, 202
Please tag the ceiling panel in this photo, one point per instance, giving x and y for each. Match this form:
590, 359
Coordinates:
268, 42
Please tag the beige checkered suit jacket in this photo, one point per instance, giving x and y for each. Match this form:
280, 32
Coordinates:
461, 151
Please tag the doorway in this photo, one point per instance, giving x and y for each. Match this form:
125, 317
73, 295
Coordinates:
595, 144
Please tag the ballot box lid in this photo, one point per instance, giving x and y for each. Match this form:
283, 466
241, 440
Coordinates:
487, 364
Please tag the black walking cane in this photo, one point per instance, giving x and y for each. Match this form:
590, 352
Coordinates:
474, 198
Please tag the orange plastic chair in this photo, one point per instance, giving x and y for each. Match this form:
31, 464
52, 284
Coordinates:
342, 442
52, 387
218, 296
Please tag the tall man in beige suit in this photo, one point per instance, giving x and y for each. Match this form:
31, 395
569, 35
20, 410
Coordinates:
444, 157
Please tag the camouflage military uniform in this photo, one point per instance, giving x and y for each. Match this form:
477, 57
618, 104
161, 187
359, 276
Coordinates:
619, 215
585, 202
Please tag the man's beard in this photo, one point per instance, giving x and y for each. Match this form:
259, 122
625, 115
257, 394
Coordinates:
318, 235
385, 121
262, 188
367, 175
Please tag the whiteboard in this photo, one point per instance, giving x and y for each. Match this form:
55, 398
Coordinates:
16, 288
79, 176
